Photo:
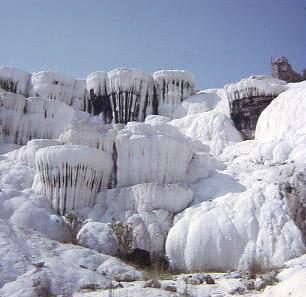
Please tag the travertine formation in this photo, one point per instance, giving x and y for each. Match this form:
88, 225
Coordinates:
95, 146
71, 176
141, 152
174, 86
121, 95
14, 80
23, 119
118, 96
248, 98
57, 86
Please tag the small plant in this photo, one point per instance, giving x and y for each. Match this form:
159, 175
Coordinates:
255, 270
124, 237
74, 222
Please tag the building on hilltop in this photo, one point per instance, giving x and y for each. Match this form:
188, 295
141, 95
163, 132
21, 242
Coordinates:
281, 69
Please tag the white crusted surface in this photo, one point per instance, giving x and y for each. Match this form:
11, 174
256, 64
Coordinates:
19, 77
206, 119
148, 153
174, 86
24, 119
255, 85
70, 176
148, 207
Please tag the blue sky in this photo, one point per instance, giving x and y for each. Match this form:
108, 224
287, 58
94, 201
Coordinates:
220, 41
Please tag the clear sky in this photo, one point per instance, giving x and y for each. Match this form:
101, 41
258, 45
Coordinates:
220, 41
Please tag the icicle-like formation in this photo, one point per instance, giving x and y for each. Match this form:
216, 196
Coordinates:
248, 98
131, 94
122, 95
70, 176
141, 152
14, 80
90, 134
23, 119
78, 94
146, 153
57, 86
255, 86
174, 86
97, 101
27, 153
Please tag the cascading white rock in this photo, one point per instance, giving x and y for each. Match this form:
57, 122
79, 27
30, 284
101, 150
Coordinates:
79, 94
248, 98
149, 208
14, 80
142, 153
285, 117
27, 153
97, 99
23, 119
70, 176
121, 95
235, 231
174, 86
57, 86
146, 153
132, 95
205, 118
90, 134
256, 85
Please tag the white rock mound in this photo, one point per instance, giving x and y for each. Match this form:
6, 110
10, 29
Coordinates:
146, 153
121, 95
254, 86
235, 231
14, 80
205, 118
57, 86
27, 153
284, 118
248, 98
23, 119
99, 237
31, 263
92, 134
70, 176
142, 152
174, 86
148, 207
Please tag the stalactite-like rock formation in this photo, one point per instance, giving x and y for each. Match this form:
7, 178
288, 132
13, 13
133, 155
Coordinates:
141, 152
97, 101
131, 93
173, 86
14, 80
147, 153
248, 98
27, 153
23, 119
57, 86
122, 95
90, 134
70, 176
